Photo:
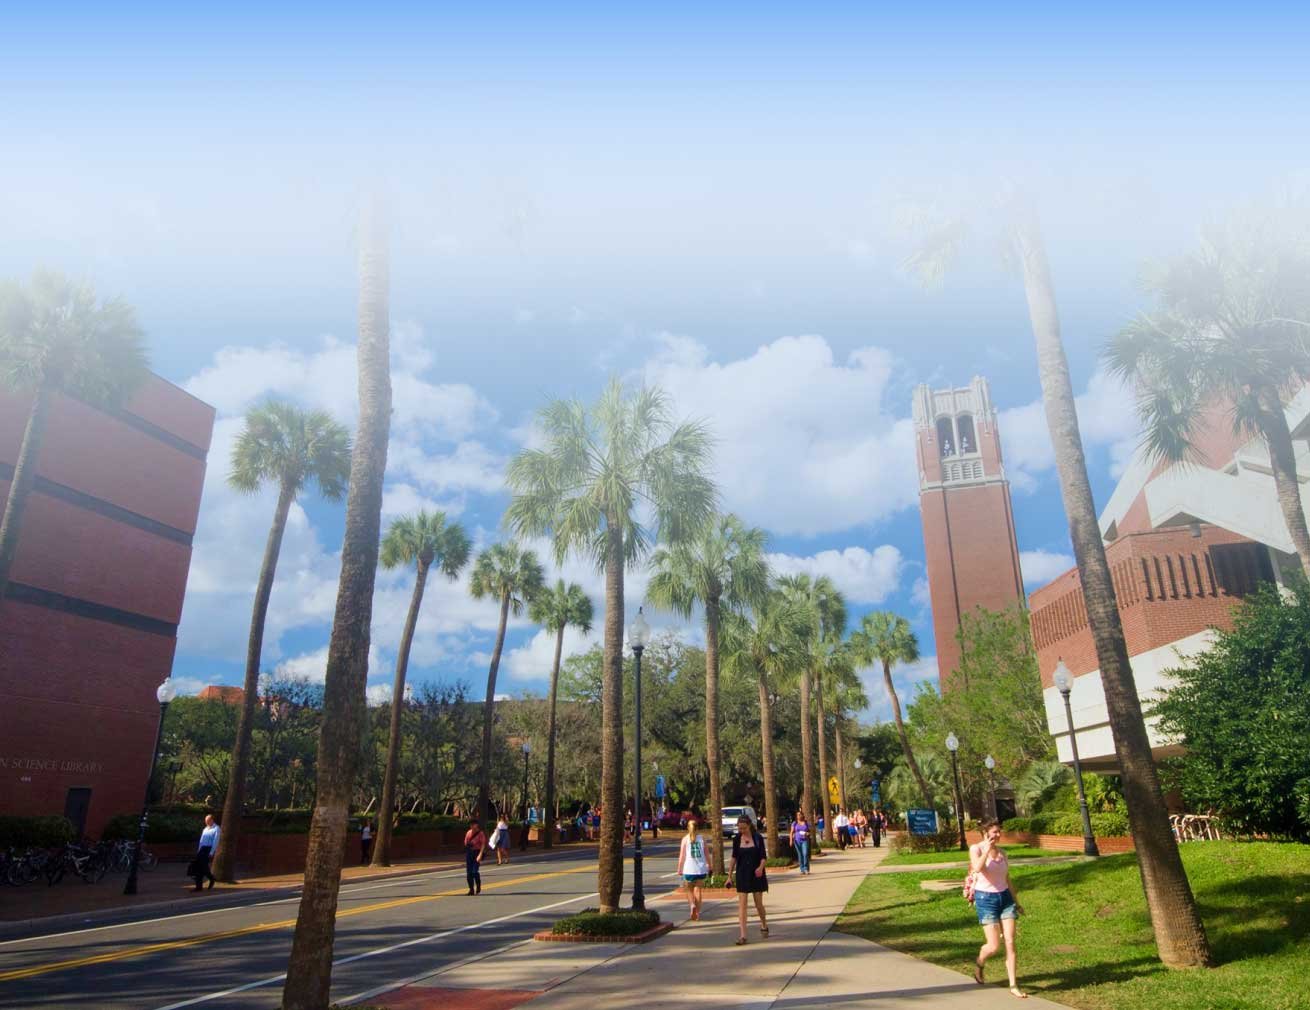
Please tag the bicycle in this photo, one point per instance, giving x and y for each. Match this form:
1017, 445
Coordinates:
89, 864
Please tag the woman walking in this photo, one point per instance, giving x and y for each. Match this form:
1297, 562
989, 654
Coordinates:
365, 842
859, 823
475, 845
993, 897
693, 867
199, 869
747, 871
501, 843
800, 840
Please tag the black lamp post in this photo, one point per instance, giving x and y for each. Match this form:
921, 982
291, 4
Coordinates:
1064, 684
527, 749
164, 693
990, 762
638, 636
952, 745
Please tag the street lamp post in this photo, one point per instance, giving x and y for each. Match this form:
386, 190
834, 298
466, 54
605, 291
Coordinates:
1064, 684
952, 745
990, 762
165, 693
638, 636
527, 749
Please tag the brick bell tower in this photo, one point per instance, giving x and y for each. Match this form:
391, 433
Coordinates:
964, 501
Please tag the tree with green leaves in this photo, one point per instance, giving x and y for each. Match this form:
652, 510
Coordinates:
565, 605
56, 338
309, 970
421, 540
827, 609
886, 639
598, 473
285, 446
512, 576
723, 566
848, 697
1231, 330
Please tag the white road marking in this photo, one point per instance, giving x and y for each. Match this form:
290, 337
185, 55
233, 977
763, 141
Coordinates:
380, 950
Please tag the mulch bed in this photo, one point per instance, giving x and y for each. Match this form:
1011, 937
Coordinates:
655, 931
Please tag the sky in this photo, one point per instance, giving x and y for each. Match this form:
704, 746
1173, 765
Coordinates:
718, 201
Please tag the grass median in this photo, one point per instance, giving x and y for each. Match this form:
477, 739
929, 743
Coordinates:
1086, 940
956, 856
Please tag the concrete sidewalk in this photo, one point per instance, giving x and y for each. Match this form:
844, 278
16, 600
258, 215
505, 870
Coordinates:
802, 964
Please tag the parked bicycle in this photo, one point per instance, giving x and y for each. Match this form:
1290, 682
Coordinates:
89, 864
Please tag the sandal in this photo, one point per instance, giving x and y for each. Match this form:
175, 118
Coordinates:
764, 931
1018, 993
978, 973
741, 941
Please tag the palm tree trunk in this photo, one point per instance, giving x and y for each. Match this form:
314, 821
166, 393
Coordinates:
382, 844
485, 808
309, 970
20, 487
609, 875
807, 749
823, 757
1282, 460
928, 800
841, 766
1179, 934
766, 755
225, 861
712, 759
550, 740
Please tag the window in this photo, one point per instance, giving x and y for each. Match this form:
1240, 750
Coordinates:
945, 436
968, 439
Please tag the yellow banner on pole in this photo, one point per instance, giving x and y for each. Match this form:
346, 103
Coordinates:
834, 791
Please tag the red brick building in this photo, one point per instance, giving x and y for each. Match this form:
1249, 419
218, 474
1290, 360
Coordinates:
964, 501
89, 623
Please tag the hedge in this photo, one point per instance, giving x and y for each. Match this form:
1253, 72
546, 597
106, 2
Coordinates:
161, 828
943, 841
1106, 825
34, 832
590, 922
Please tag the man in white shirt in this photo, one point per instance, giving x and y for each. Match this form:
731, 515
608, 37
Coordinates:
205, 852
841, 827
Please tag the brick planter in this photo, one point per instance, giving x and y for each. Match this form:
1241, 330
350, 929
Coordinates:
656, 931
1067, 843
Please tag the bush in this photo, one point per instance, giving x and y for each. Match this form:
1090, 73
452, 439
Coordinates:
778, 861
1103, 825
1020, 824
412, 823
946, 840
34, 832
590, 922
160, 828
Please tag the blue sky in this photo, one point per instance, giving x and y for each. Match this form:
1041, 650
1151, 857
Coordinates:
710, 199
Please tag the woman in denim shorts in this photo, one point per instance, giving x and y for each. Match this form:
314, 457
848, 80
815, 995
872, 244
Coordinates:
993, 897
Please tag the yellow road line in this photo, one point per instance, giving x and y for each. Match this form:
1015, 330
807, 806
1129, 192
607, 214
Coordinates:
263, 927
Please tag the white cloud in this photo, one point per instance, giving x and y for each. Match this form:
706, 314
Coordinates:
920, 595
863, 576
806, 444
906, 679
193, 685
1040, 567
533, 660
312, 666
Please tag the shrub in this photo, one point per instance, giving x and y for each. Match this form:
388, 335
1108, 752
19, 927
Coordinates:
777, 861
34, 832
1021, 824
946, 840
1107, 825
161, 828
590, 922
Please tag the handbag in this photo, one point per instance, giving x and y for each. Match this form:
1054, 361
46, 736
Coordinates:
967, 893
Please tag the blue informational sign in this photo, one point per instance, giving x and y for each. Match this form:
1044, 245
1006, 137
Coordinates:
922, 822
659, 787
877, 792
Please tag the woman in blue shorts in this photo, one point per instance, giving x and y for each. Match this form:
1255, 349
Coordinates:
693, 866
993, 897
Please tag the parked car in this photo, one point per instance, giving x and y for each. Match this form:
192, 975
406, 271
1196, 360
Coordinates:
729, 819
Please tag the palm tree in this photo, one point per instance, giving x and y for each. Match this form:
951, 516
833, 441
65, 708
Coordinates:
848, 696
886, 639
1232, 327
724, 566
309, 971
565, 605
827, 608
511, 576
423, 540
1179, 934
55, 338
770, 646
283, 445
584, 490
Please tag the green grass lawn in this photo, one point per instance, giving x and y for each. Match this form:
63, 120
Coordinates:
1086, 940
956, 856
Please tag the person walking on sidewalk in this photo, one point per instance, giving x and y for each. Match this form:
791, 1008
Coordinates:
692, 867
747, 872
501, 841
800, 841
876, 823
841, 825
993, 897
475, 845
199, 869
365, 842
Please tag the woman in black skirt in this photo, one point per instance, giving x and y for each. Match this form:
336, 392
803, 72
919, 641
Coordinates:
747, 871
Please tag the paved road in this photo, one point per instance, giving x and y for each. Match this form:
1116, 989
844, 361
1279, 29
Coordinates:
234, 957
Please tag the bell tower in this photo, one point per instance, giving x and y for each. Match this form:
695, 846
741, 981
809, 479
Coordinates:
964, 501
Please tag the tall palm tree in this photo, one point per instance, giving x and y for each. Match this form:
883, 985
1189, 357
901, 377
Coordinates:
56, 338
512, 576
283, 445
848, 697
423, 540
724, 566
1179, 934
887, 639
565, 605
768, 645
827, 609
1232, 327
309, 971
598, 470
